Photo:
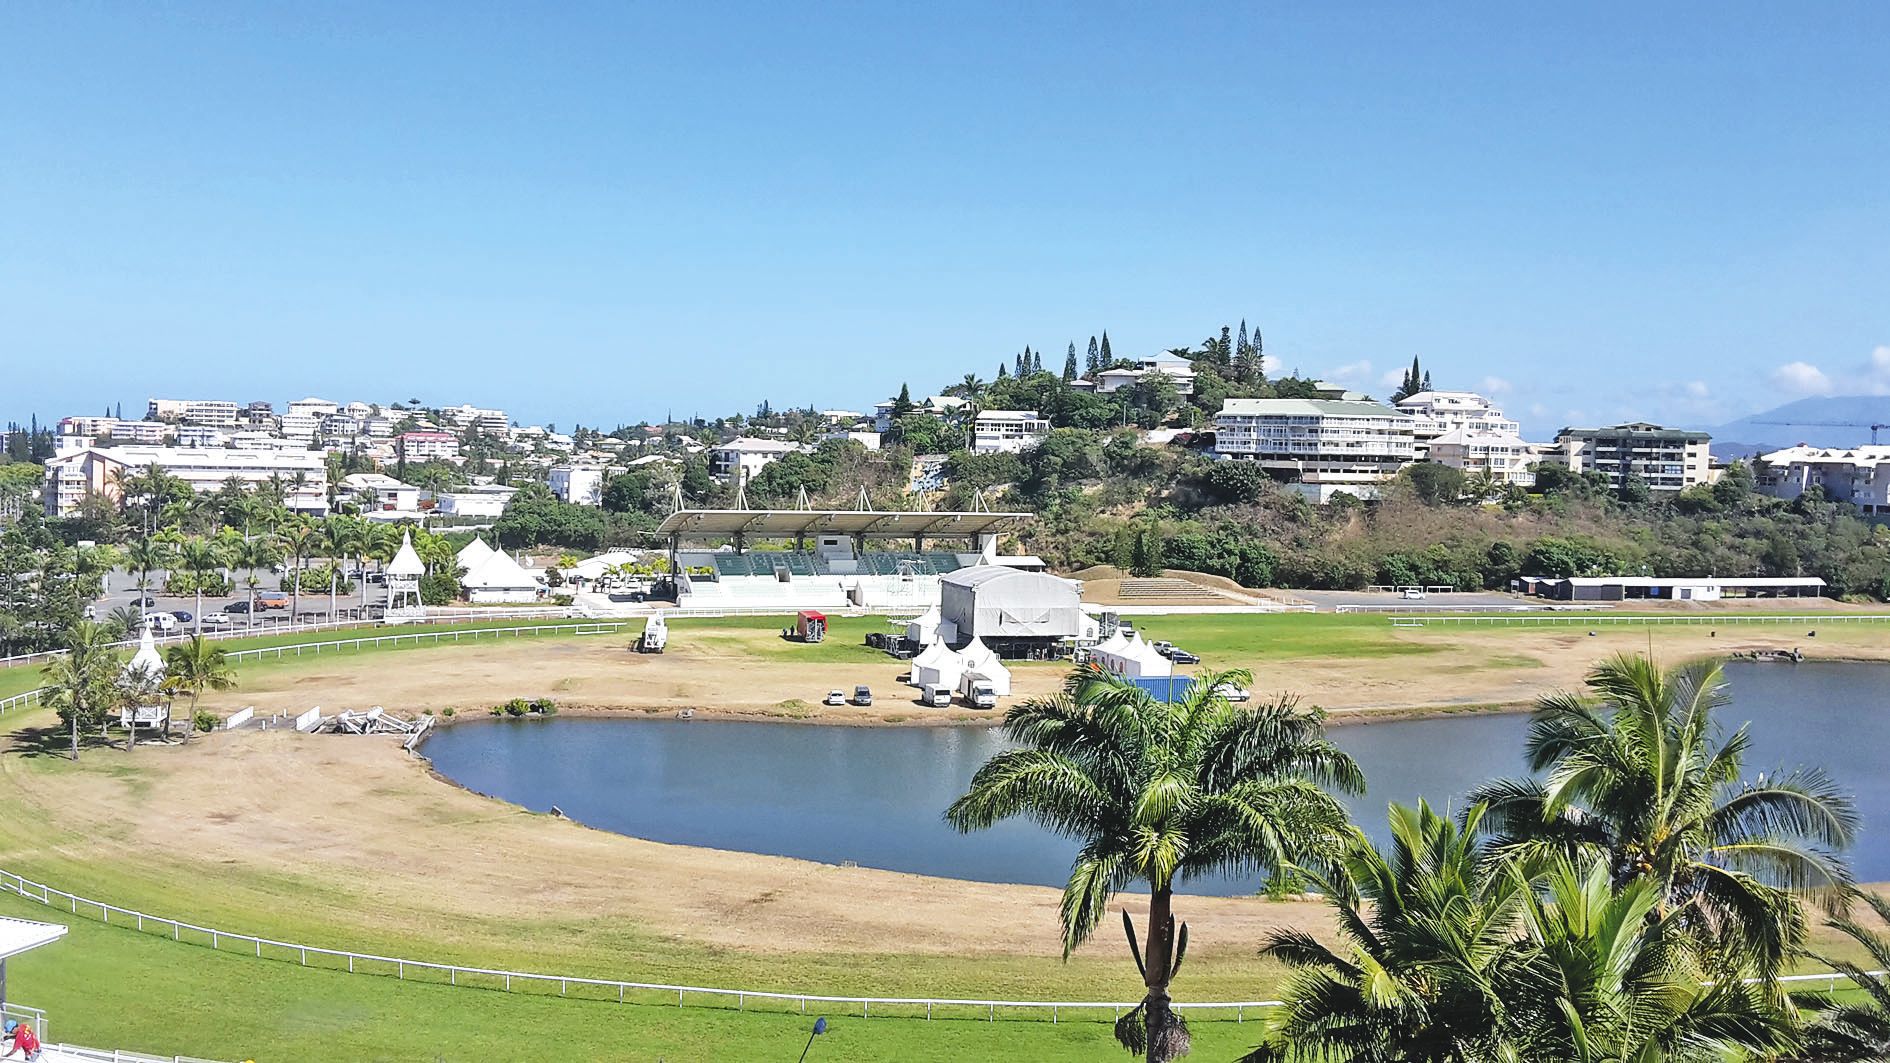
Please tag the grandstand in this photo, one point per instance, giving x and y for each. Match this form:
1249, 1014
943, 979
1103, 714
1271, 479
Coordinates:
839, 557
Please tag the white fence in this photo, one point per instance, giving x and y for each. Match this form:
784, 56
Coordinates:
79, 1054
590, 988
419, 637
21, 701
1407, 617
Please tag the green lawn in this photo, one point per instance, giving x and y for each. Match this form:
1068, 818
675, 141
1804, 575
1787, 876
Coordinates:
109, 986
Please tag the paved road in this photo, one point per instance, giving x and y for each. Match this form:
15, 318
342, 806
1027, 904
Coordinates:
1326, 601
121, 588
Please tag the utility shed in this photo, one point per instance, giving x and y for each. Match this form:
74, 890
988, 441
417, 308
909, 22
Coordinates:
1016, 613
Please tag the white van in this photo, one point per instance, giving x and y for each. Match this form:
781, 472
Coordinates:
160, 623
978, 692
937, 697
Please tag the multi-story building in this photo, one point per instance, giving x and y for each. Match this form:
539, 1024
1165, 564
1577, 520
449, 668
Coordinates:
1502, 455
1321, 446
428, 446
479, 500
1665, 459
77, 433
738, 460
1179, 370
312, 407
579, 484
259, 416
102, 470
213, 412
1858, 475
201, 435
379, 493
490, 422
302, 426
1007, 431
1438, 412
935, 405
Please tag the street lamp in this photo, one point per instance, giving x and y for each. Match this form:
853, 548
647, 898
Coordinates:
820, 1027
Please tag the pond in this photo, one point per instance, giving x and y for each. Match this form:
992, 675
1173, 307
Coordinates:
874, 795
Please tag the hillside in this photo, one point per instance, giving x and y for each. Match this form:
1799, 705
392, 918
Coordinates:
1822, 422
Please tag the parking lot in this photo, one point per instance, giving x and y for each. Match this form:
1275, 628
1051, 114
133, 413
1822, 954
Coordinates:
121, 589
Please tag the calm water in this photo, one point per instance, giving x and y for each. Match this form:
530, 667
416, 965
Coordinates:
873, 795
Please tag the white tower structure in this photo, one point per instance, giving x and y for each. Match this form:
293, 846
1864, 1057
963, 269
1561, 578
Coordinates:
144, 672
403, 580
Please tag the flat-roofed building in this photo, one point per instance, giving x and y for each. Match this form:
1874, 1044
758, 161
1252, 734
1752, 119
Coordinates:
1438, 412
1858, 475
379, 492
1504, 456
312, 407
738, 460
1665, 459
1007, 431
580, 484
480, 500
1178, 370
1321, 447
491, 422
216, 413
428, 446
100, 471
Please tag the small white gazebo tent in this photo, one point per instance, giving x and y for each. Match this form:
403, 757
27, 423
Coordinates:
981, 662
146, 670
403, 578
937, 666
923, 629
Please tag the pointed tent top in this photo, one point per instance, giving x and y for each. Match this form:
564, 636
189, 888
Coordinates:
407, 561
473, 553
147, 659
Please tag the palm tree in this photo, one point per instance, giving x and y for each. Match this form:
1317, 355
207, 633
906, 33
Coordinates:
252, 555
347, 537
299, 539
193, 667
145, 555
1418, 929
122, 622
84, 680
1158, 792
200, 557
1850, 1030
1639, 774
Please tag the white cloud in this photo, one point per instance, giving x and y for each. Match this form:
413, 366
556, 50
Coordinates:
1801, 378
1536, 409
1391, 378
1495, 385
1697, 389
1870, 377
1358, 370
1271, 364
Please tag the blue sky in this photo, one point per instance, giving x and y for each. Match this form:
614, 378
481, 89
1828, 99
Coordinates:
603, 213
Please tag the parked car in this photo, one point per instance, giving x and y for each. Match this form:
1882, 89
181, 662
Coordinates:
160, 623
272, 600
183, 615
835, 697
146, 602
216, 620
862, 695
1163, 648
1181, 656
238, 608
1233, 692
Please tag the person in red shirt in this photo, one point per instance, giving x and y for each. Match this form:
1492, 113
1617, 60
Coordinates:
23, 1041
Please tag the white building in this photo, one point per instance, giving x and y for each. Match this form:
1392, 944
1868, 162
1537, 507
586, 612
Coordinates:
312, 407
100, 470
77, 433
934, 405
1007, 431
497, 578
200, 435
1503, 455
428, 446
869, 440
1321, 446
1438, 412
477, 501
1179, 370
491, 422
213, 412
1858, 475
301, 426
738, 460
579, 484
1665, 459
380, 493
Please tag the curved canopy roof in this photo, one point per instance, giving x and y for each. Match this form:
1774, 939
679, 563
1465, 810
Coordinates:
792, 523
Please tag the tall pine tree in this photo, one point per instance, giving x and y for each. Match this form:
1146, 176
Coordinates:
1036, 361
1240, 343
1095, 359
1107, 358
1003, 370
1069, 364
1017, 364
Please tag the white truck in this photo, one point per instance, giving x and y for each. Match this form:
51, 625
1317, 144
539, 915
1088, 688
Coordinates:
937, 697
977, 691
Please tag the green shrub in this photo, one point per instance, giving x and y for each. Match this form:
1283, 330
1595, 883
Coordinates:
544, 707
448, 711
207, 721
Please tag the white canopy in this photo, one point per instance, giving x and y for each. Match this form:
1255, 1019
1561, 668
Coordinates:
592, 568
981, 662
473, 554
923, 629
937, 666
1112, 644
24, 935
406, 561
147, 659
499, 572
1133, 658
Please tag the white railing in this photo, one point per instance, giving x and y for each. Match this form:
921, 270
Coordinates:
604, 627
21, 701
60, 1053
1714, 620
498, 978
31, 1016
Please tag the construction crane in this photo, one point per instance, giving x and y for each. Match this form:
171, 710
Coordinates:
1874, 428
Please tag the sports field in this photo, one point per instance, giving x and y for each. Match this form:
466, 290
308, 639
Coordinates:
349, 843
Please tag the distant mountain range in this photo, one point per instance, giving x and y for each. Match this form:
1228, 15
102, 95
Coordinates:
1820, 422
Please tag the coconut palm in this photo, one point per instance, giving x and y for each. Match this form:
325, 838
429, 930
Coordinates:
144, 556
84, 679
201, 558
348, 537
192, 667
1420, 927
122, 622
299, 538
1853, 1029
1640, 773
1158, 792
252, 555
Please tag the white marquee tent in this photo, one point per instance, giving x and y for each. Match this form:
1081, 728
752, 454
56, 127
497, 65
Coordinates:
981, 662
500, 579
1132, 657
923, 629
474, 554
937, 665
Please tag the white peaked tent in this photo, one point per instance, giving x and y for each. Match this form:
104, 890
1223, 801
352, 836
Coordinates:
1133, 658
499, 578
150, 664
406, 562
473, 554
981, 662
937, 666
923, 629
1107, 647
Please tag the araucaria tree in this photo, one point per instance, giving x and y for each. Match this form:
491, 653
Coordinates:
1157, 792
1639, 775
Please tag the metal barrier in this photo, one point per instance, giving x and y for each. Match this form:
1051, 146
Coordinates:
31, 1016
110, 1055
496, 978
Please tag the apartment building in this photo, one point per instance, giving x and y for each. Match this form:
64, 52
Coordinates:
215, 413
1436, 412
101, 470
1178, 370
312, 407
581, 484
738, 460
1858, 475
428, 446
935, 405
1007, 431
1666, 459
77, 433
1321, 447
490, 422
1504, 456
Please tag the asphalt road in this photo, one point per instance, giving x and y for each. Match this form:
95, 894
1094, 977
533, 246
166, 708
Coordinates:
121, 588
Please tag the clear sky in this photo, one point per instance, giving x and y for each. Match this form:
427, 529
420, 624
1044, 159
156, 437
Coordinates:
603, 213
